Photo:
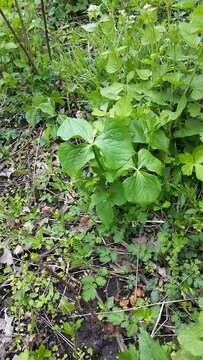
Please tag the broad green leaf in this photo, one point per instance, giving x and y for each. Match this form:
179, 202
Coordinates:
66, 306
150, 349
117, 193
25, 355
194, 160
191, 127
157, 97
115, 145
33, 117
190, 337
131, 354
137, 131
187, 32
160, 141
98, 197
199, 171
194, 109
143, 74
47, 108
151, 35
142, 188
197, 17
114, 63
130, 76
112, 92
149, 161
91, 27
68, 329
73, 128
173, 77
167, 116
187, 169
197, 87
74, 157
186, 158
116, 317
123, 108
104, 210
198, 154
186, 4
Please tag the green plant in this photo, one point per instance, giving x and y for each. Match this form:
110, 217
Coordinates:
132, 145
190, 343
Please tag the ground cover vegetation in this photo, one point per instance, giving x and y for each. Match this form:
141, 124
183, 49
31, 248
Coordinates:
101, 172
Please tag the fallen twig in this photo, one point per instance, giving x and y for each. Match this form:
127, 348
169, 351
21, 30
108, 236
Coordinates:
130, 309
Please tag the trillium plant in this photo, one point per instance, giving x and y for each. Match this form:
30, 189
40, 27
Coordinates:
146, 126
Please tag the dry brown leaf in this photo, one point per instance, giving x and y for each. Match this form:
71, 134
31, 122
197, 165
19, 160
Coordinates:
136, 293
84, 220
124, 303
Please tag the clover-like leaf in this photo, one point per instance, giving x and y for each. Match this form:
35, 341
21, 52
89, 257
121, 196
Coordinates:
74, 128
193, 161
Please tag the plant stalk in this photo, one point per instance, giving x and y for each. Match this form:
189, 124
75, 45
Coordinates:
31, 62
95, 151
25, 35
46, 28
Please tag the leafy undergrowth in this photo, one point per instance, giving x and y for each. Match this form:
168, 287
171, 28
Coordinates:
101, 182
78, 289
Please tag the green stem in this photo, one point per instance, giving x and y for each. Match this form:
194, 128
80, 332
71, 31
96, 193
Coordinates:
96, 154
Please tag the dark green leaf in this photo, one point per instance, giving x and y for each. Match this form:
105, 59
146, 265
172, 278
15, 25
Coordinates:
74, 157
117, 193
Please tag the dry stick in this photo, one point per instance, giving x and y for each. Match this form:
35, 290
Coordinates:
46, 28
65, 339
158, 319
34, 69
129, 309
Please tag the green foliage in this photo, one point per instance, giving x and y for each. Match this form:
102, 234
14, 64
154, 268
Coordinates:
150, 349
122, 93
40, 354
141, 109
